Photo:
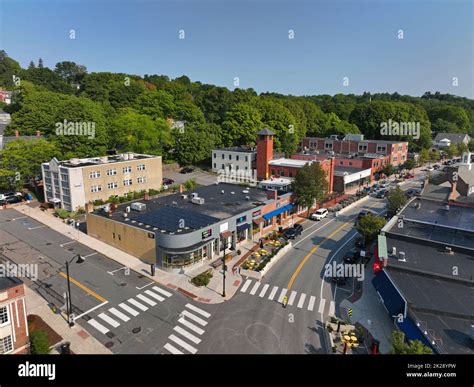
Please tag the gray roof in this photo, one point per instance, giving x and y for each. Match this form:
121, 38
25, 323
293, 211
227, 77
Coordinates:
237, 149
265, 132
453, 137
437, 192
466, 175
9, 282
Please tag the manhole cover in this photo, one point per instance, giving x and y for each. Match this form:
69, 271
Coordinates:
48, 243
123, 284
72, 248
109, 344
136, 330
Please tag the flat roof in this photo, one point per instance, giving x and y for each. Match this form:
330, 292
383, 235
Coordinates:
236, 149
284, 162
365, 140
166, 213
340, 170
109, 159
9, 282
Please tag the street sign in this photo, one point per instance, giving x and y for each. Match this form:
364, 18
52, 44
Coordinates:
349, 312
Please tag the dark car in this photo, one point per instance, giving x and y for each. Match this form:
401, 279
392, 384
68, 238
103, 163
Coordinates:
352, 256
381, 194
339, 280
168, 181
293, 232
360, 242
187, 170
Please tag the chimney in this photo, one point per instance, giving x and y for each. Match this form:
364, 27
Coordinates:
454, 193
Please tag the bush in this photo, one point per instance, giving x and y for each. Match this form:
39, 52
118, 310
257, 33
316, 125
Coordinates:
202, 279
153, 192
98, 202
39, 344
62, 213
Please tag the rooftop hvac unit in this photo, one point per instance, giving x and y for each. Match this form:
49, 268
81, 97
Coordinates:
232, 193
197, 200
125, 214
174, 204
448, 250
138, 206
222, 192
127, 209
401, 256
245, 191
125, 156
131, 156
247, 198
394, 251
194, 195
184, 196
447, 207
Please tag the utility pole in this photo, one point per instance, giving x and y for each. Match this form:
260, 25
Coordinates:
224, 240
70, 318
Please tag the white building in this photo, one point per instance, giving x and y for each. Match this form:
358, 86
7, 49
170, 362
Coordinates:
234, 159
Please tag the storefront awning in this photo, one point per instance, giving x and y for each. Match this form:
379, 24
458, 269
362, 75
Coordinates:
226, 234
259, 220
278, 211
243, 227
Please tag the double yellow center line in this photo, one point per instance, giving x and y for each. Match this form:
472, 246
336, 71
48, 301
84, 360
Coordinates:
86, 289
313, 250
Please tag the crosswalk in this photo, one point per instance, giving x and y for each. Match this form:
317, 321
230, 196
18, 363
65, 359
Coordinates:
299, 300
185, 336
128, 309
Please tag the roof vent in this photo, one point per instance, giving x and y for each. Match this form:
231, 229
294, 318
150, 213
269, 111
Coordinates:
174, 204
194, 195
197, 200
137, 206
125, 214
245, 191
401, 256
448, 250
127, 209
222, 192
447, 207
394, 251
247, 198
232, 193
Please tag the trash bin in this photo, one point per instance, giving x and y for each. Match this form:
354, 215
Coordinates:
65, 348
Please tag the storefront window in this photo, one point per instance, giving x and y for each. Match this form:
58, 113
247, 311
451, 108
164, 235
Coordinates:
173, 260
267, 222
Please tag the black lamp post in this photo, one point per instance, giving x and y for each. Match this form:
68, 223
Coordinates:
80, 259
224, 241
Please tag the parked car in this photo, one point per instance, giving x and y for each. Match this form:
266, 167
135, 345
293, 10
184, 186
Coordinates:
436, 166
187, 170
352, 256
381, 194
319, 214
168, 181
339, 280
363, 213
293, 232
360, 242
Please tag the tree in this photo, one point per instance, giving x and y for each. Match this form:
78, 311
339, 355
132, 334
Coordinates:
8, 69
310, 185
462, 148
370, 225
396, 200
451, 151
449, 118
412, 347
241, 124
388, 170
70, 71
409, 164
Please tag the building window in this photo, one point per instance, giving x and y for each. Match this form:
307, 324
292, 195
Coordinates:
273, 172
328, 145
223, 156
215, 165
350, 163
267, 222
223, 167
96, 188
215, 155
64, 177
230, 157
395, 158
127, 182
282, 173
362, 147
111, 172
236, 167
6, 344
4, 318
112, 185
94, 175
403, 157
237, 158
246, 158
141, 167
381, 149
127, 169
290, 174
141, 180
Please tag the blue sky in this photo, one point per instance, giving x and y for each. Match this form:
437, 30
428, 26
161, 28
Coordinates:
249, 40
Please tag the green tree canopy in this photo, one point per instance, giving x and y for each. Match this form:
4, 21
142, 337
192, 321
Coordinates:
310, 185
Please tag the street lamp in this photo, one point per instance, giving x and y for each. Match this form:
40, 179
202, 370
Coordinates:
223, 240
80, 259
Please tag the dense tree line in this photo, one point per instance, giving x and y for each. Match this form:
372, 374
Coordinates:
134, 113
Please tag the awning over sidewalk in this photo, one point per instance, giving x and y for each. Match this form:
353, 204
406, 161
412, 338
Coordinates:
259, 220
243, 227
278, 211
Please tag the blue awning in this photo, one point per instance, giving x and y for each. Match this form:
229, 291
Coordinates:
278, 211
243, 227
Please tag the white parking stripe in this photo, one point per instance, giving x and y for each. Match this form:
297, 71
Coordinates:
272, 294
198, 310
164, 292
312, 299
321, 305
195, 318
246, 285
301, 301
332, 308
146, 299
191, 326
98, 326
173, 350
137, 304
119, 314
154, 295
255, 287
264, 290
183, 344
282, 294
189, 336
292, 298
125, 307
109, 320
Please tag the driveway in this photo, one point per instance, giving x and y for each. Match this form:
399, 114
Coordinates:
202, 178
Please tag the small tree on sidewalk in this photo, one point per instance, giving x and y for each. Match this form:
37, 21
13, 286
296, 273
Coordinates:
412, 347
396, 199
369, 227
39, 343
310, 185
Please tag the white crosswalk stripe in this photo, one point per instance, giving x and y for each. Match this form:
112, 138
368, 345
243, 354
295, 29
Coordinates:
301, 301
109, 320
173, 350
191, 326
195, 318
183, 344
154, 295
132, 311
264, 290
272, 294
292, 298
97, 325
198, 310
246, 285
119, 314
312, 299
332, 308
146, 300
185, 333
164, 292
282, 294
255, 287
137, 304
321, 305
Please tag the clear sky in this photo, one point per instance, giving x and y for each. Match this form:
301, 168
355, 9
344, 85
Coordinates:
250, 40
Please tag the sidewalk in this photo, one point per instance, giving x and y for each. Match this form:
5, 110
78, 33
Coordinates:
81, 341
181, 282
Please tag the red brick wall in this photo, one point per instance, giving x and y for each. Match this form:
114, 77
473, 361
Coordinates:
264, 155
17, 306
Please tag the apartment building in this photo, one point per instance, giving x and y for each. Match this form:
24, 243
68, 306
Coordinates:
13, 322
72, 183
234, 158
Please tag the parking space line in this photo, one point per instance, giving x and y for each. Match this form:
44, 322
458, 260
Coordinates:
67, 243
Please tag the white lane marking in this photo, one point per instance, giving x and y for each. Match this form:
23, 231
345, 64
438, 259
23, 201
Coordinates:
146, 299
144, 286
264, 290
90, 310
292, 297
332, 308
67, 243
154, 295
312, 232
125, 307
321, 305
189, 336
312, 299
119, 314
191, 326
89, 255
113, 271
255, 287
282, 294
98, 326
244, 288
164, 292
173, 350
34, 228
301, 301
137, 304
109, 320
195, 318
198, 310
183, 344
272, 294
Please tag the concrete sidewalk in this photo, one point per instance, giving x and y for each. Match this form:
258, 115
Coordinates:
81, 341
211, 294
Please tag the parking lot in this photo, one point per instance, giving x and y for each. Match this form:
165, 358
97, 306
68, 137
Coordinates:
201, 177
